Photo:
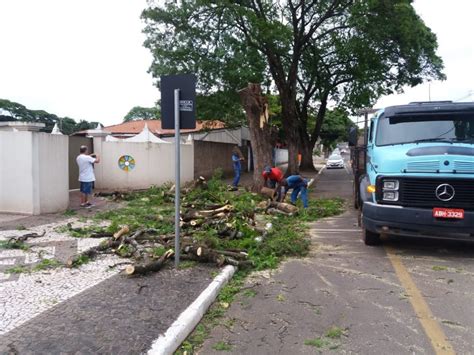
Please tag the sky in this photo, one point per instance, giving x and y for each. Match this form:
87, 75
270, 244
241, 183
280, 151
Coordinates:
84, 58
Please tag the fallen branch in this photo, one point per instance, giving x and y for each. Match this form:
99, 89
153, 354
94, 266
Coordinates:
25, 237
150, 267
92, 252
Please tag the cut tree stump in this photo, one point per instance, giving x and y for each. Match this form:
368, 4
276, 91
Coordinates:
150, 267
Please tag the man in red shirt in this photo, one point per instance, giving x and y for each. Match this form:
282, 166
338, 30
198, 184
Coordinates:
272, 176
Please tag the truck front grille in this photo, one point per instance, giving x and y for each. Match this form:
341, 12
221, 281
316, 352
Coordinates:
421, 192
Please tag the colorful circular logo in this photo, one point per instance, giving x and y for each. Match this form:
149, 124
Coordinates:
126, 162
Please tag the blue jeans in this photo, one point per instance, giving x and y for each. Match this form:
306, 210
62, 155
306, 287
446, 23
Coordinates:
86, 187
236, 175
301, 190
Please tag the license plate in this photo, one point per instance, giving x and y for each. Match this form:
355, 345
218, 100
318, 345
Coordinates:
448, 213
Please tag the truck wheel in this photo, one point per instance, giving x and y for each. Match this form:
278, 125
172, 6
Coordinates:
370, 238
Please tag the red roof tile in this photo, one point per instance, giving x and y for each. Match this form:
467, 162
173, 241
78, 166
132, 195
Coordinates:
135, 127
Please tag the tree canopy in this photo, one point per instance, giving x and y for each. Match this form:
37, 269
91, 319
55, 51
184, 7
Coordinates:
14, 111
310, 53
142, 113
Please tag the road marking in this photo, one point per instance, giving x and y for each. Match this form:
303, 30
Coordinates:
432, 329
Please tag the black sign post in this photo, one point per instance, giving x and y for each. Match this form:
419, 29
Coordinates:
178, 110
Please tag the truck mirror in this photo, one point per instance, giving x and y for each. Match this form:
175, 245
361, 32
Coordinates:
352, 136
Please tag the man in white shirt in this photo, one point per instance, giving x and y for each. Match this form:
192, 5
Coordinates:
86, 174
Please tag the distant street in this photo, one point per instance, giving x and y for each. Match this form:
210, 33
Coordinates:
405, 297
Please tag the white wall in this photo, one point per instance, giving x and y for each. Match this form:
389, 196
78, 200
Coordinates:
281, 156
53, 171
33, 172
16, 172
154, 164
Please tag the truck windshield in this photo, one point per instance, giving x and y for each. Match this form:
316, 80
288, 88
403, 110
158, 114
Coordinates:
415, 129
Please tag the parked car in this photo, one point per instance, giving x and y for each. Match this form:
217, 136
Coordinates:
335, 161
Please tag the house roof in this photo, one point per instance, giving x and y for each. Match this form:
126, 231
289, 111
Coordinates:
135, 127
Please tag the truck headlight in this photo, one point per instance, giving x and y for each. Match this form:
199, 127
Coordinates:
391, 185
390, 196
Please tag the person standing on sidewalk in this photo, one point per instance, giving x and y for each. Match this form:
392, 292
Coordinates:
299, 186
237, 157
86, 174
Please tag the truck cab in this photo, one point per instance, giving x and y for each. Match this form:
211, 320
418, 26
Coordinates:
419, 172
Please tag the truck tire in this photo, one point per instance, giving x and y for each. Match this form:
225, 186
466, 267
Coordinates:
370, 238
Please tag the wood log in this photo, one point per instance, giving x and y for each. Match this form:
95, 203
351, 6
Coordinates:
268, 192
204, 255
149, 267
239, 264
282, 206
218, 213
124, 230
93, 252
275, 211
101, 235
235, 255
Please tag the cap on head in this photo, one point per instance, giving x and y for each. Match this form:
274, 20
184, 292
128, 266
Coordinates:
83, 149
267, 170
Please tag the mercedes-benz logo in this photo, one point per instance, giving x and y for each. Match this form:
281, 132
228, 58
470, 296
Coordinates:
445, 192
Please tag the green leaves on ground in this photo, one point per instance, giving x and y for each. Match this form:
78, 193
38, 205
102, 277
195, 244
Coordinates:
44, 264
329, 340
12, 244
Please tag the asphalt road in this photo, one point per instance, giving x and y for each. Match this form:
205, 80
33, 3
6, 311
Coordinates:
404, 297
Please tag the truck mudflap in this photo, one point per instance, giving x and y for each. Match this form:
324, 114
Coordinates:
415, 222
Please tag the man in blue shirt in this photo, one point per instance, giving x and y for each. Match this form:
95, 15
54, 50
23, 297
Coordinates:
299, 186
236, 159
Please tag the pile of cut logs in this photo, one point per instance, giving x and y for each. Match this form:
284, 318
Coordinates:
140, 245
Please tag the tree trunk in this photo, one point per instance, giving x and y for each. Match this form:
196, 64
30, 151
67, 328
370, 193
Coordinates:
308, 142
290, 125
306, 152
255, 106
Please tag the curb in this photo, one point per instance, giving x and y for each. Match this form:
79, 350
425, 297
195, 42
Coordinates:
168, 342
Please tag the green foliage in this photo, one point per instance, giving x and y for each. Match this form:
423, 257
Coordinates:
82, 232
187, 264
347, 52
222, 346
316, 342
46, 264
249, 293
69, 213
335, 127
335, 333
81, 260
5, 244
142, 113
17, 269
13, 111
159, 251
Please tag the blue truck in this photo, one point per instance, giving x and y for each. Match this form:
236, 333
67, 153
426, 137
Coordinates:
414, 172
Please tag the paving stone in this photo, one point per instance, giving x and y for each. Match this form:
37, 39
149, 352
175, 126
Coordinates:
120, 315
